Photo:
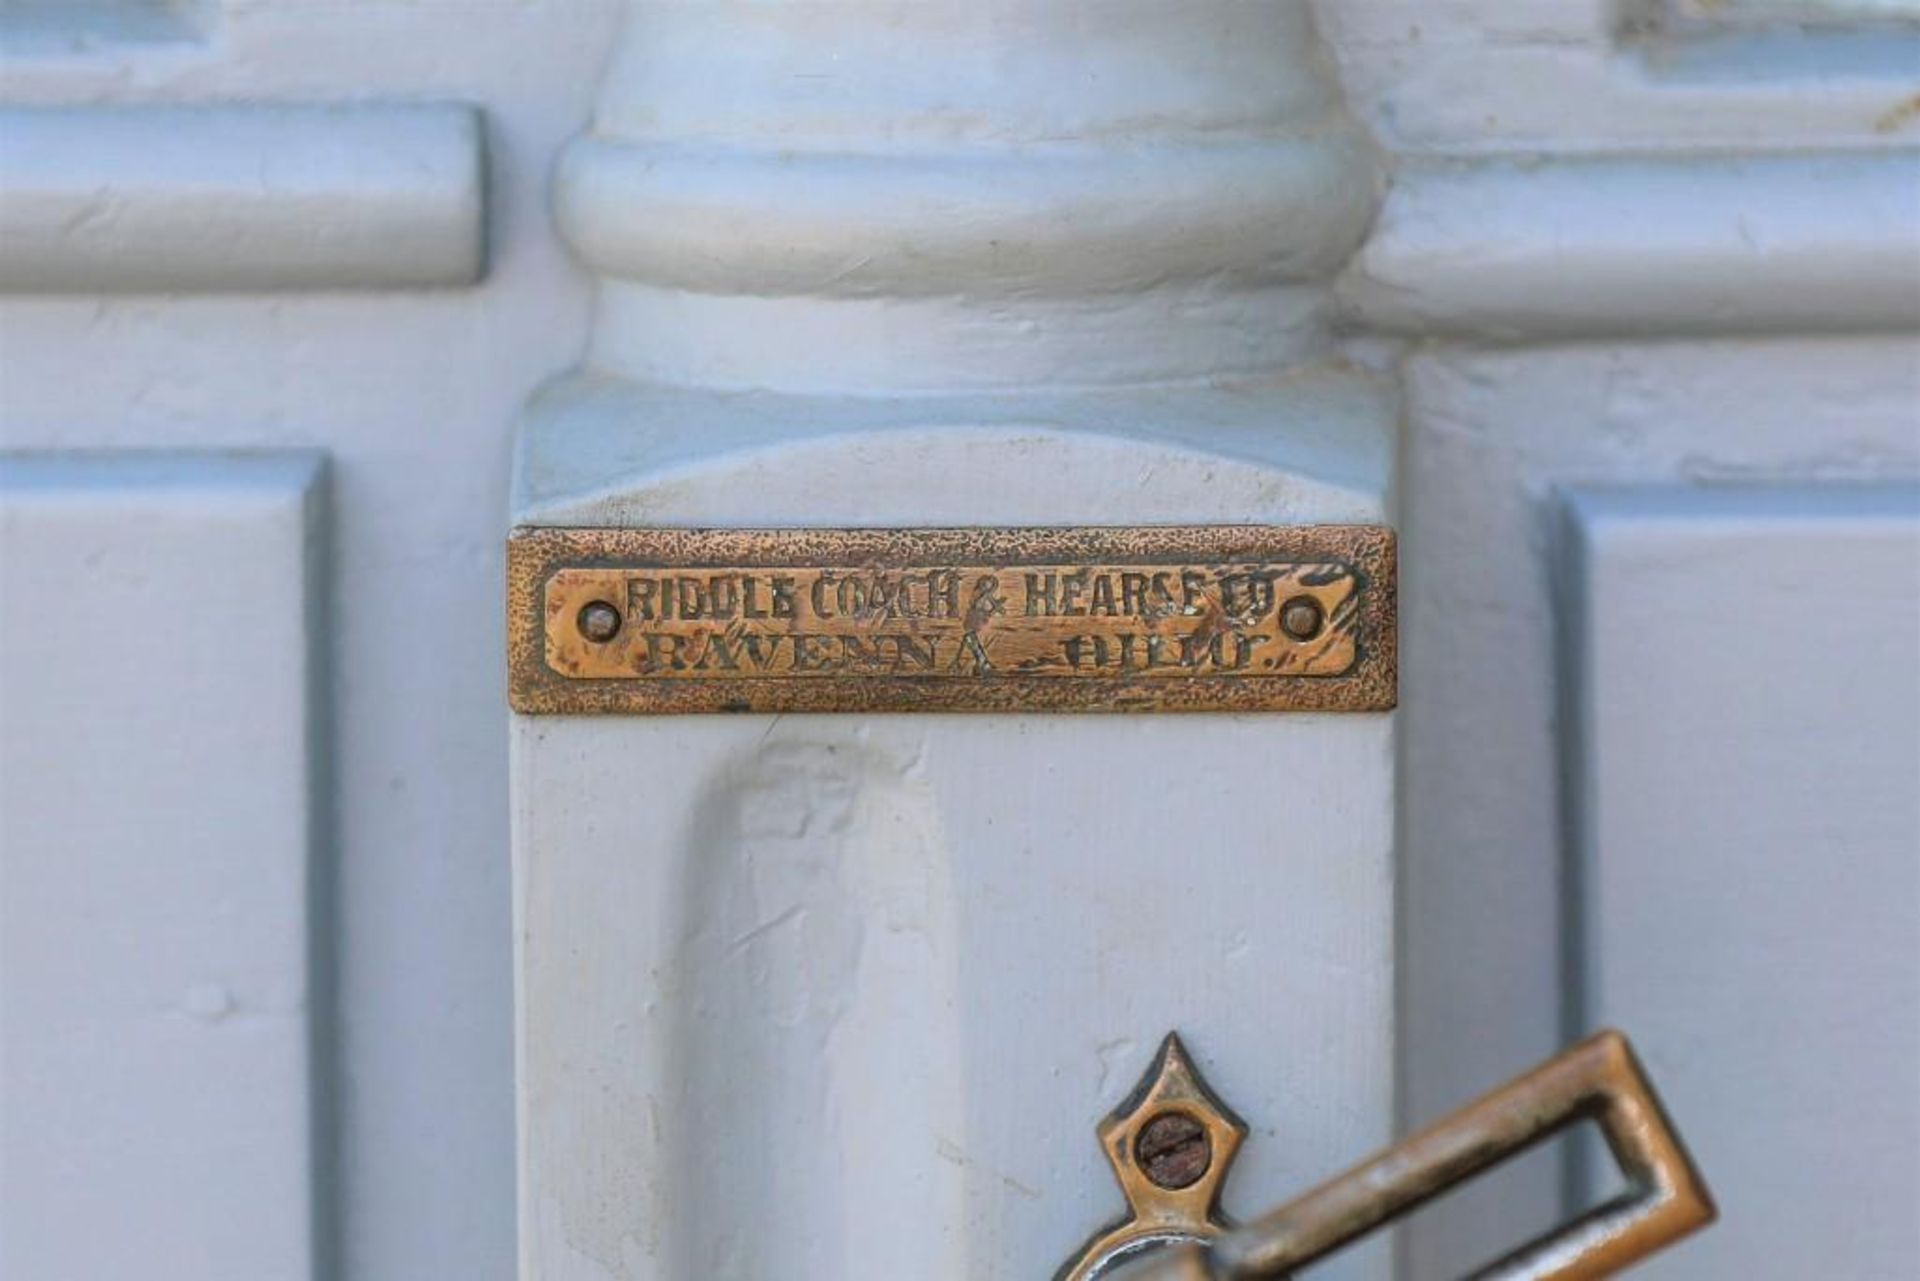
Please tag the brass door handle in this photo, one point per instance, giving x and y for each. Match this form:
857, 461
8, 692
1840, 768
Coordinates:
1598, 1080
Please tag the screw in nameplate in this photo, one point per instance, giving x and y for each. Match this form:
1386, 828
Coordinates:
599, 622
1302, 618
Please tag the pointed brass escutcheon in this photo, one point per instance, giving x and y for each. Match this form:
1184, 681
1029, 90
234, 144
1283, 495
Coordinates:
1171, 1144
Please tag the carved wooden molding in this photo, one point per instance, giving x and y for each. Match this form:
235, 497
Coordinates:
1597, 246
240, 197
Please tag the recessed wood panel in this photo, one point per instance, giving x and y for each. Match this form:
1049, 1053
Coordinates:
159, 804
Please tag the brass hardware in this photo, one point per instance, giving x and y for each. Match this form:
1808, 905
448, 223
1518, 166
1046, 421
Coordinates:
1301, 618
599, 622
1140, 618
1598, 1080
1171, 1144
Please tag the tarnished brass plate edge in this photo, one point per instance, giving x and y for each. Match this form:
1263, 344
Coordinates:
535, 553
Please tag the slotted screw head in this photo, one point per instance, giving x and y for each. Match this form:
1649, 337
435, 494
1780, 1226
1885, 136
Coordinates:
1174, 1151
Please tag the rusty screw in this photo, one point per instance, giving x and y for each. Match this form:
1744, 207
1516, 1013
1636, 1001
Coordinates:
599, 622
1174, 1150
1302, 618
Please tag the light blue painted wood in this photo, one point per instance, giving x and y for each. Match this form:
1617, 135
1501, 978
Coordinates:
1746, 785
160, 822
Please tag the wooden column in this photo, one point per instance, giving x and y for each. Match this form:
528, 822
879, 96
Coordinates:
843, 996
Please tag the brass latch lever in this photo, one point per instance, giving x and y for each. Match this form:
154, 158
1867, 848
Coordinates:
1598, 1080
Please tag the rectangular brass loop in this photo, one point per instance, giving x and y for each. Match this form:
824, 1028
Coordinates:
1598, 1080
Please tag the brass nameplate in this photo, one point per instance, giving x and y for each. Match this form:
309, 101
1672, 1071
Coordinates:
1142, 618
